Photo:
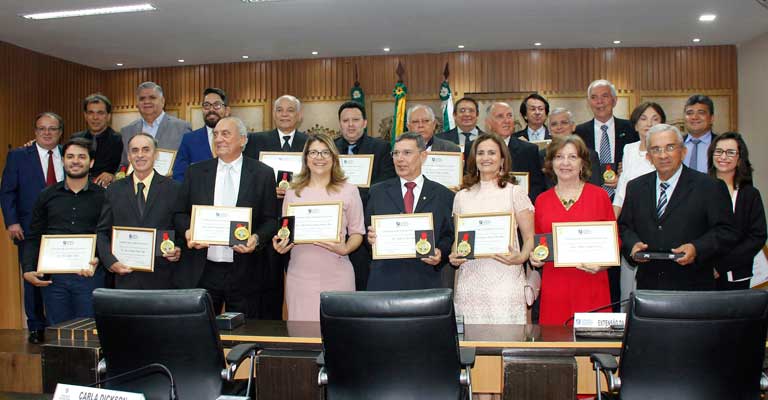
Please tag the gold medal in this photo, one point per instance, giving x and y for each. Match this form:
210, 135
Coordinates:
284, 184
241, 232
463, 248
422, 246
120, 174
167, 245
284, 232
609, 174
541, 251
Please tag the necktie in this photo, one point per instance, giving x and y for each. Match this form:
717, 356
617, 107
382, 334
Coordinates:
605, 154
694, 163
408, 198
50, 177
140, 200
227, 187
467, 135
662, 199
351, 148
286, 145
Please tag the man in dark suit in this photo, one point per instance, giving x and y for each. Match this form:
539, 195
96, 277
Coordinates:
198, 145
353, 140
525, 156
561, 124
166, 129
421, 119
145, 199
534, 110
675, 209
605, 133
29, 170
699, 117
109, 144
235, 276
409, 193
465, 112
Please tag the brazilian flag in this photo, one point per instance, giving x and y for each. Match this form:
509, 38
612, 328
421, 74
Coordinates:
399, 119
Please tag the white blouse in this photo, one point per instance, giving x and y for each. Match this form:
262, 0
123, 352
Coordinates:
633, 164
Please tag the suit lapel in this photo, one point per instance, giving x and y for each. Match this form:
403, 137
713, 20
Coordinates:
128, 191
208, 181
245, 177
426, 196
162, 128
37, 170
396, 195
514, 149
155, 188
589, 139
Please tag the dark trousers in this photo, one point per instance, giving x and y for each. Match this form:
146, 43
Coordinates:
70, 296
614, 284
723, 284
160, 278
33, 301
225, 286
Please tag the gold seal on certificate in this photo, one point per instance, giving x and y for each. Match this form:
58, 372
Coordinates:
167, 245
284, 184
464, 248
284, 231
609, 174
120, 174
422, 246
542, 250
241, 232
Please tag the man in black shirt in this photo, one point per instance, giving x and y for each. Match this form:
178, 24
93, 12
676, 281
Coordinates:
108, 143
68, 207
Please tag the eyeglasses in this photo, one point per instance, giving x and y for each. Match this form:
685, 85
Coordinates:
53, 129
216, 106
404, 153
319, 154
467, 110
656, 150
728, 153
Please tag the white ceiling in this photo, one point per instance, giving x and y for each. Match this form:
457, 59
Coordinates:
221, 31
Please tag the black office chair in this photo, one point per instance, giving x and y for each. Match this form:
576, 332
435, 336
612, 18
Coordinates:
175, 328
689, 345
392, 345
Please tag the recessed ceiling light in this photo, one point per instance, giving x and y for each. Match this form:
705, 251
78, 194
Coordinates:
696, 40
707, 17
181, 60
314, 53
245, 57
617, 42
119, 64
387, 49
537, 44
91, 11
461, 46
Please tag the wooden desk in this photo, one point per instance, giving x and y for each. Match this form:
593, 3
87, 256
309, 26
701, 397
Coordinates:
537, 361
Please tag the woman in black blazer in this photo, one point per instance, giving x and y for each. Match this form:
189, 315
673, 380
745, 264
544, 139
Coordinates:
729, 161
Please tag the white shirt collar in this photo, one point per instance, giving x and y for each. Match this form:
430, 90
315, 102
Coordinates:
610, 123
157, 121
44, 153
419, 181
237, 164
281, 133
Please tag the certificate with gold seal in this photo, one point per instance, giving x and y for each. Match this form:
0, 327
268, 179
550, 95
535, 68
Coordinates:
134, 247
395, 234
316, 221
444, 167
282, 161
585, 243
66, 254
163, 162
494, 232
358, 168
212, 225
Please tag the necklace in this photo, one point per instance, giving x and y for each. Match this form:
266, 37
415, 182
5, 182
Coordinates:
570, 199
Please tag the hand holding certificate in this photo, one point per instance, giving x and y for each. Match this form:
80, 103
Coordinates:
590, 244
316, 221
134, 248
494, 234
65, 254
213, 225
395, 234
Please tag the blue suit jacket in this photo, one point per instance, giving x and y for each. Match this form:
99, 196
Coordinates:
23, 180
194, 147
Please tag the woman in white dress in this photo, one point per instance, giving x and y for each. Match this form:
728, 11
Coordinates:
490, 290
634, 164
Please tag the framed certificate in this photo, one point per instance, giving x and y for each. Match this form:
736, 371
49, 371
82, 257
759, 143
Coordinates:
282, 161
212, 224
66, 254
494, 232
395, 233
163, 162
587, 243
134, 247
523, 180
358, 169
445, 168
542, 143
316, 221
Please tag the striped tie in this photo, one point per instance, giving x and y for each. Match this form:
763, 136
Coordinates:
605, 154
662, 199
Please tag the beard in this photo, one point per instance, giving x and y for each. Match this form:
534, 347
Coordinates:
210, 123
79, 175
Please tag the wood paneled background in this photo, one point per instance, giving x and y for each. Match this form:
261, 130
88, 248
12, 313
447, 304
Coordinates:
32, 82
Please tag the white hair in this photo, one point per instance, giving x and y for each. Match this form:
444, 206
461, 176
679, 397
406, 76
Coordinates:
659, 128
290, 98
494, 105
561, 110
150, 85
430, 112
601, 82
241, 129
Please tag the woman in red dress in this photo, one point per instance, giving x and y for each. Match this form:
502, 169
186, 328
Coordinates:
566, 290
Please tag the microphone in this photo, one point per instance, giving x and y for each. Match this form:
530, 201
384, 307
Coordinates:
141, 371
610, 305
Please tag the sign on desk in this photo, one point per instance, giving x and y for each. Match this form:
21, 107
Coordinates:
598, 320
72, 392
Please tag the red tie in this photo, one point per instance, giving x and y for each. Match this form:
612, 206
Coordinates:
50, 177
408, 199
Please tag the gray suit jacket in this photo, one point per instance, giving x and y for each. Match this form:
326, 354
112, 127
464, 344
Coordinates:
168, 134
444, 145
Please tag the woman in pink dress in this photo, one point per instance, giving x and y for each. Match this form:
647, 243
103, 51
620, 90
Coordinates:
320, 266
567, 290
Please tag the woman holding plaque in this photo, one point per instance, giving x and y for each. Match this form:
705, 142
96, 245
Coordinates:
729, 162
320, 266
567, 290
490, 290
